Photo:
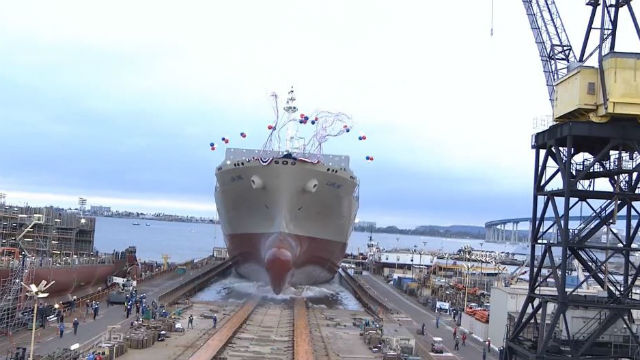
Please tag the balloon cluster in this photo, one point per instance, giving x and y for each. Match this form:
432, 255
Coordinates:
362, 137
369, 158
226, 140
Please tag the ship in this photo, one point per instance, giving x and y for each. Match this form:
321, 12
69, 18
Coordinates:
286, 215
71, 276
52, 244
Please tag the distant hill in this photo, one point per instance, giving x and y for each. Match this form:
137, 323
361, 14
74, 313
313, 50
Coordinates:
452, 231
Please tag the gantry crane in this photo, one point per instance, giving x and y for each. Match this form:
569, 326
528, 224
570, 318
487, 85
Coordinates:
587, 165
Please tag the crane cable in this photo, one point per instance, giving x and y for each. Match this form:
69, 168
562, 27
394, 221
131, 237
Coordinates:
492, 18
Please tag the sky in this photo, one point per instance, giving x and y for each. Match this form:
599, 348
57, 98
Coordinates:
117, 101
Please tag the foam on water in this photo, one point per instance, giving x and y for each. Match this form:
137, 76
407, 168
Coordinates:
236, 288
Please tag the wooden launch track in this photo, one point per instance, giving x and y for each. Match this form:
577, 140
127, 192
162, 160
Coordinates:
303, 348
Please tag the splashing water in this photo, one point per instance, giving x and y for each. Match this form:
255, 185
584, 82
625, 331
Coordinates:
235, 288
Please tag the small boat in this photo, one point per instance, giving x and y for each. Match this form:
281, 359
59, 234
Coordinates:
135, 223
147, 224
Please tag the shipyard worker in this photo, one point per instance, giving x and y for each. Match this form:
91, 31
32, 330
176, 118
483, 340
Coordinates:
75, 326
488, 344
61, 328
457, 344
190, 323
215, 320
484, 353
87, 310
422, 329
96, 308
73, 304
455, 332
464, 339
43, 316
438, 321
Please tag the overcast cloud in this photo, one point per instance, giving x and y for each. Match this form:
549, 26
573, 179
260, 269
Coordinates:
118, 101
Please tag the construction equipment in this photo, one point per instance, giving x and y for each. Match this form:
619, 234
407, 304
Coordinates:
125, 286
588, 160
577, 91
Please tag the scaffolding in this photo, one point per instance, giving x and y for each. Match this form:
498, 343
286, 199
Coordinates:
34, 237
14, 305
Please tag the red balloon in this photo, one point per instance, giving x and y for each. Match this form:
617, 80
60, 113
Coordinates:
301, 116
370, 158
316, 118
364, 137
226, 141
213, 148
344, 126
270, 127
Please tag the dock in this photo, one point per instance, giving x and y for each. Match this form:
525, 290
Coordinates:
259, 328
168, 286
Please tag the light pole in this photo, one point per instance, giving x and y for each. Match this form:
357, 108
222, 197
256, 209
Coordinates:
466, 286
37, 292
481, 261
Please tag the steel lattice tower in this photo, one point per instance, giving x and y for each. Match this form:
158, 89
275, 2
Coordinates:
589, 170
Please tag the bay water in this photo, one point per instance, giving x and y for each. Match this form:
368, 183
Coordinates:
183, 241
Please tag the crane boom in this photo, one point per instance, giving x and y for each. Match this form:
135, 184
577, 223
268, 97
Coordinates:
551, 38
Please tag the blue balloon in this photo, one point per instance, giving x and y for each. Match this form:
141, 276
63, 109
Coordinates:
212, 144
348, 130
306, 118
367, 157
222, 138
313, 122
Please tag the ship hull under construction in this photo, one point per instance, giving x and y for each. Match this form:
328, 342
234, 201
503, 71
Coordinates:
76, 279
286, 221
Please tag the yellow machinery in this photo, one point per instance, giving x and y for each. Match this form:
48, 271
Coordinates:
165, 262
578, 95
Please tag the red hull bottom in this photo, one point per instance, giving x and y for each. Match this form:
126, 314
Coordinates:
282, 259
71, 280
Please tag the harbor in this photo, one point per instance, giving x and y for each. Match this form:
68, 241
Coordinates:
176, 289
332, 180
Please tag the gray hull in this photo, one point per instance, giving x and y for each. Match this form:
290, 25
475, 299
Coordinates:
286, 210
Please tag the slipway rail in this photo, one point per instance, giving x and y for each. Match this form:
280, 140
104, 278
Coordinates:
222, 336
302, 346
262, 328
